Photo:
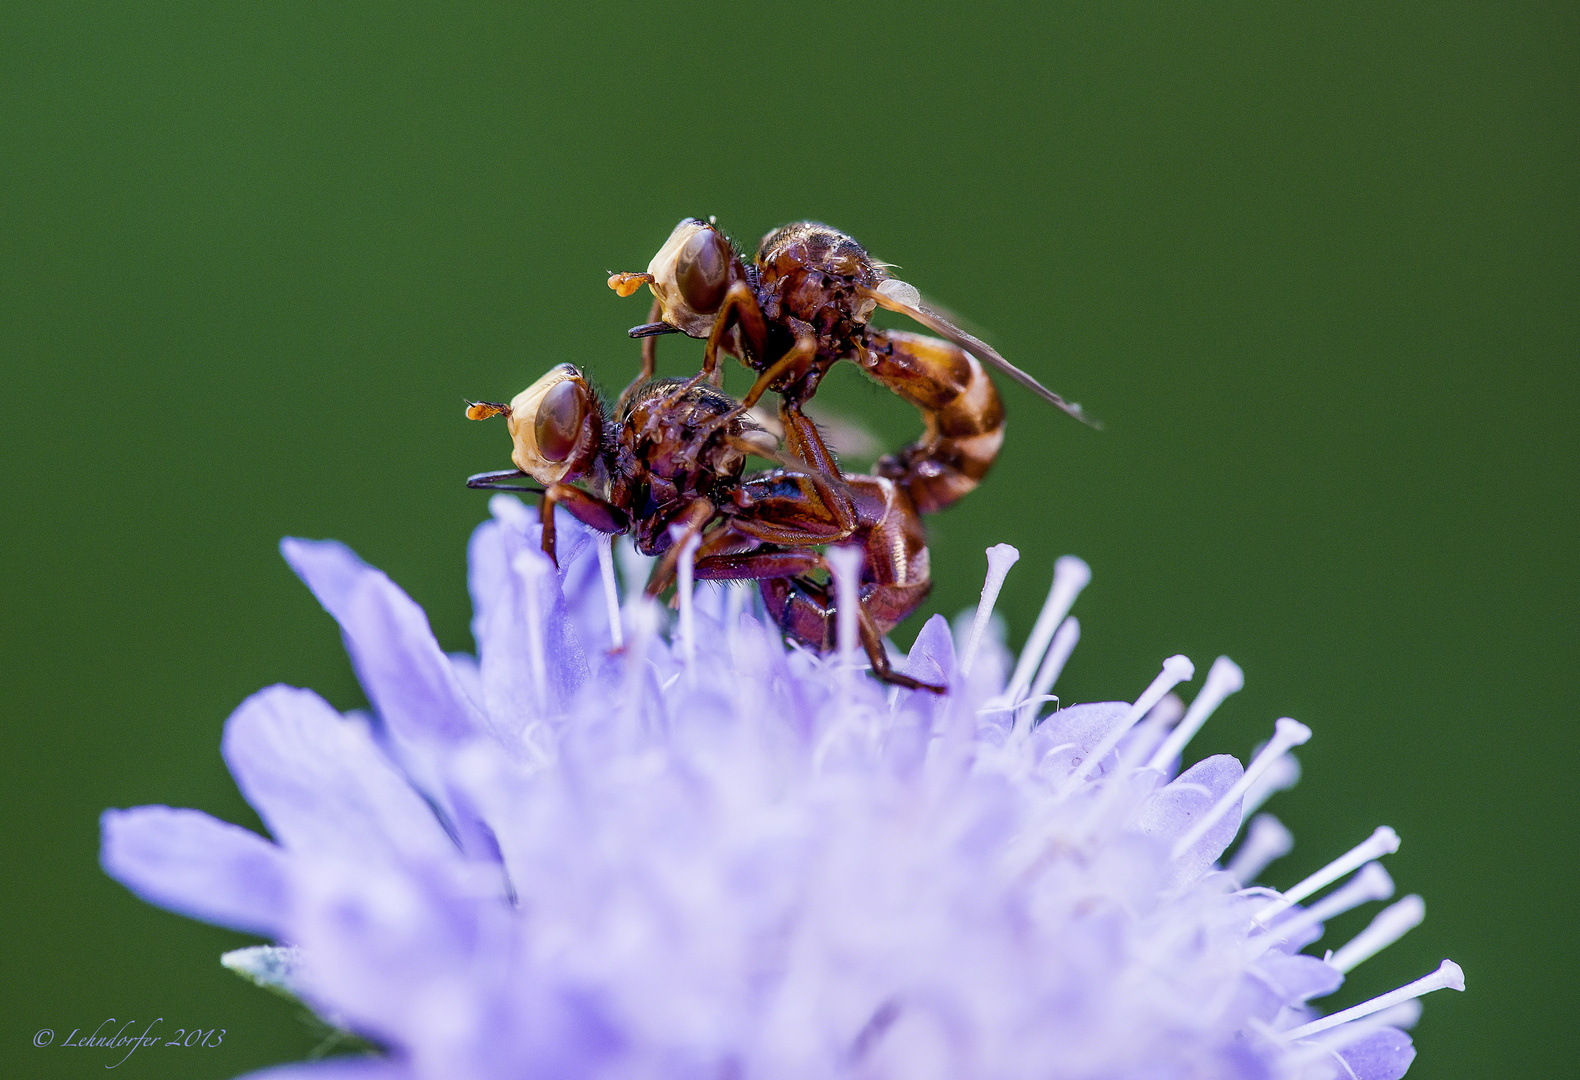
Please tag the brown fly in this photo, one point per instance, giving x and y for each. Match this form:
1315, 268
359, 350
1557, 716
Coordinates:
802, 305
669, 466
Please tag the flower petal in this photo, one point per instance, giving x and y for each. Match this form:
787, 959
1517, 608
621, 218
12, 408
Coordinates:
1383, 1055
1064, 740
407, 677
380, 940
530, 659
917, 712
189, 862
1299, 977
1170, 814
724, 859
932, 656
487, 573
320, 782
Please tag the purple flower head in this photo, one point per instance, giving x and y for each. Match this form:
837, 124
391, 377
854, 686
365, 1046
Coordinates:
616, 844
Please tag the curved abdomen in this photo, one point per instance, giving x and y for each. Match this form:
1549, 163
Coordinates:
961, 410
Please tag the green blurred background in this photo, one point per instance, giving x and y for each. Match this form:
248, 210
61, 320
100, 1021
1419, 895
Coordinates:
1316, 270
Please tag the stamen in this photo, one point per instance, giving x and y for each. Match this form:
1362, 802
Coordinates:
531, 568
1064, 642
734, 605
688, 624
611, 594
1287, 733
1391, 924
1070, 576
1384, 841
845, 563
1449, 975
1265, 840
1223, 679
1000, 558
1176, 669
1282, 774
635, 568
995, 706
1403, 1015
1370, 883
643, 619
1151, 731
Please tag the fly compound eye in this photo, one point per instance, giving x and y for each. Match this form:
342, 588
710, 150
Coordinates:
558, 425
549, 420
702, 270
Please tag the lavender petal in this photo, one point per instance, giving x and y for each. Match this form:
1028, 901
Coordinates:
407, 677
199, 866
1383, 1055
321, 783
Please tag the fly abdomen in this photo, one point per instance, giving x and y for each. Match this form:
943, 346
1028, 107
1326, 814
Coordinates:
961, 410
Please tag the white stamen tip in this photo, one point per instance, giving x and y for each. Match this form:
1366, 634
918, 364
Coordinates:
1448, 976
1291, 732
1223, 678
1382, 841
1176, 669
1230, 679
1286, 733
1374, 882
1391, 924
1073, 568
1000, 558
1070, 576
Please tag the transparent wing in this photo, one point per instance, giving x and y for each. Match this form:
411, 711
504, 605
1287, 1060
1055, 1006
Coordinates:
897, 295
848, 437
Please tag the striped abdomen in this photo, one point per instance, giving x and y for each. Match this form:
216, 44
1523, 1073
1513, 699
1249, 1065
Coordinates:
960, 407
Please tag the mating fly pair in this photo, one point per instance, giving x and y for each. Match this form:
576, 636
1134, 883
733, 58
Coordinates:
669, 461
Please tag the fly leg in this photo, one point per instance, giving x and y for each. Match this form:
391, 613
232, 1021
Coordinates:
586, 508
803, 349
775, 512
794, 509
650, 332
740, 307
872, 642
806, 611
650, 342
690, 524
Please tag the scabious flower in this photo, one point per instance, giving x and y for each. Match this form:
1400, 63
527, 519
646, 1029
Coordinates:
607, 848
